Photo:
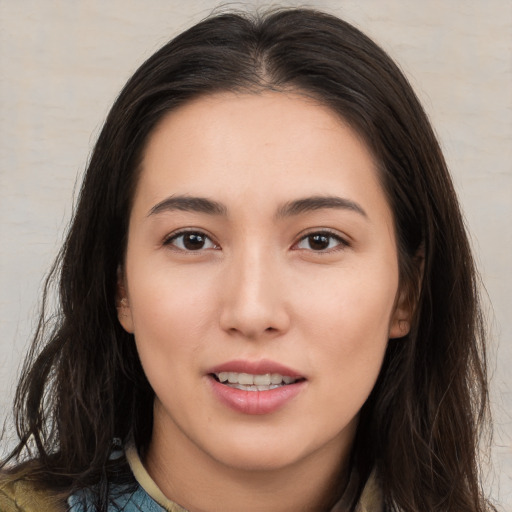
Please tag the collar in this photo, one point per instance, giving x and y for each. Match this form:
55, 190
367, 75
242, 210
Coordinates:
370, 501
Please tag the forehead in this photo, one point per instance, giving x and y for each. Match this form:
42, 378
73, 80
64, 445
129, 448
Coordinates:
253, 127
266, 145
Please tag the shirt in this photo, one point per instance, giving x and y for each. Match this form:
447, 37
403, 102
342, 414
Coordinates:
21, 496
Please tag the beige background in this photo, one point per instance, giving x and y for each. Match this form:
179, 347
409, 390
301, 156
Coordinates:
62, 62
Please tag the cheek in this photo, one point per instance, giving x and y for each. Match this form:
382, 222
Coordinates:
171, 312
349, 304
346, 320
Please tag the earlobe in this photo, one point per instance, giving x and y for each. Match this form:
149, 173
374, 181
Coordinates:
399, 328
407, 300
403, 313
124, 313
400, 324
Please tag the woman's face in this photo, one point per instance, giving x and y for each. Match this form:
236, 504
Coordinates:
260, 279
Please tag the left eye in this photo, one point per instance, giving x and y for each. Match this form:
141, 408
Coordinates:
191, 241
320, 242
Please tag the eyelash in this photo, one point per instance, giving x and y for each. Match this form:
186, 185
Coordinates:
341, 243
169, 241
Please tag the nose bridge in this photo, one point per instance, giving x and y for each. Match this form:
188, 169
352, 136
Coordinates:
253, 301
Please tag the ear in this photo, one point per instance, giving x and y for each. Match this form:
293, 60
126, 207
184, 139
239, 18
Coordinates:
400, 323
124, 313
407, 299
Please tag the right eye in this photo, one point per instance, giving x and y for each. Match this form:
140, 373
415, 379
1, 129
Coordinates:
191, 241
322, 242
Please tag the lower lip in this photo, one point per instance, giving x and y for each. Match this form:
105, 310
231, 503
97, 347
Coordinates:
256, 402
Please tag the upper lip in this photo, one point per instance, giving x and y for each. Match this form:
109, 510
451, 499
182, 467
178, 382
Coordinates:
260, 367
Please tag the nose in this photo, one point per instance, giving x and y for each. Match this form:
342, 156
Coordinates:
254, 302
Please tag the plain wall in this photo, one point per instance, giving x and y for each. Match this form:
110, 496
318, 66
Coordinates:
63, 62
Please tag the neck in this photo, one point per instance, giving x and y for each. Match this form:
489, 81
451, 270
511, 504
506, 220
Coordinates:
180, 468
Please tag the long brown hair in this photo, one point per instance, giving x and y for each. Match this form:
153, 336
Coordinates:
83, 384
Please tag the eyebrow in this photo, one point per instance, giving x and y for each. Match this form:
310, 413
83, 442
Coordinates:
289, 209
312, 203
189, 204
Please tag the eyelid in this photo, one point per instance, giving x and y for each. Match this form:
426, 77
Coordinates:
168, 239
343, 241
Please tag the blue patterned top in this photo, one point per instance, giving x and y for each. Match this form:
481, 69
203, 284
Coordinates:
134, 501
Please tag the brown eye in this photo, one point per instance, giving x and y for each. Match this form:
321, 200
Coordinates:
191, 241
322, 241
318, 242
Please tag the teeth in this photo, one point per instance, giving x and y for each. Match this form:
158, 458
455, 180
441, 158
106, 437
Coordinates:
249, 382
254, 388
263, 380
245, 378
275, 378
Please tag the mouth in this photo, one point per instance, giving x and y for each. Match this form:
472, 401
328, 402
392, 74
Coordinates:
254, 382
256, 387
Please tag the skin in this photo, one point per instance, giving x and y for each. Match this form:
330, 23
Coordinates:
258, 290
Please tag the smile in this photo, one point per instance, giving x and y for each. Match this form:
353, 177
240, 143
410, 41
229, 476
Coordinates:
251, 382
255, 387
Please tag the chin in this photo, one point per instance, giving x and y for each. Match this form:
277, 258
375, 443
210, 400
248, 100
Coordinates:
271, 452
256, 459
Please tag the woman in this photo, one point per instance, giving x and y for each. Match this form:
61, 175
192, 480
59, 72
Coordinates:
268, 301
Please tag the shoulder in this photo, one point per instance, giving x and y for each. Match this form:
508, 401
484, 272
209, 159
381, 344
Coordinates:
22, 495
371, 498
